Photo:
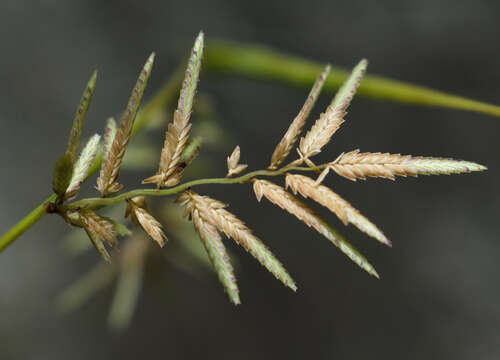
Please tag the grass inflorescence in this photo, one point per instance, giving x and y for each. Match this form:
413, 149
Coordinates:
210, 217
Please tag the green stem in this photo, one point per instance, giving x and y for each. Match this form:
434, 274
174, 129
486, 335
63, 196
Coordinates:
97, 203
259, 62
25, 223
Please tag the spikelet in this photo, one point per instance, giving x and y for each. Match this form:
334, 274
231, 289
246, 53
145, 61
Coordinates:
110, 168
233, 165
98, 228
109, 135
136, 209
82, 166
330, 121
355, 165
191, 151
288, 141
279, 196
326, 197
178, 131
217, 254
213, 212
81, 113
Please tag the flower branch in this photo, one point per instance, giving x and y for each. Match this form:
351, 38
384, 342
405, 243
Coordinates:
98, 203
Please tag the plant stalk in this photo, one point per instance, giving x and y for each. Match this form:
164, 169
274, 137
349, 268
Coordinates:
23, 225
260, 62
97, 203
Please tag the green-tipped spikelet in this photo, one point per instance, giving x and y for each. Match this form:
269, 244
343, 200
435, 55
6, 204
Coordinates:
177, 135
214, 213
110, 169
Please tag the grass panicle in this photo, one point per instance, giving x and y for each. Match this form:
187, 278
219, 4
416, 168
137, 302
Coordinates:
209, 217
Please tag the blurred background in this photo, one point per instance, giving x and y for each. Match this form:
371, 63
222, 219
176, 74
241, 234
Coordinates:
439, 293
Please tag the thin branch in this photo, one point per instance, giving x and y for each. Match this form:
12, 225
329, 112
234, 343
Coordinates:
97, 203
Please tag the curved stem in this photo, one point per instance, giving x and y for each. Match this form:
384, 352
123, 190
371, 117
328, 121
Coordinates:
25, 223
97, 203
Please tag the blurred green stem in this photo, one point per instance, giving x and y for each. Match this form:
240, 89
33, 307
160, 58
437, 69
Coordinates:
78, 293
258, 62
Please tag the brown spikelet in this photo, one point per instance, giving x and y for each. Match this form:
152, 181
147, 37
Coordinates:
340, 207
136, 209
288, 141
110, 168
330, 121
98, 228
172, 178
213, 212
355, 165
233, 165
288, 202
279, 196
175, 141
178, 131
101, 226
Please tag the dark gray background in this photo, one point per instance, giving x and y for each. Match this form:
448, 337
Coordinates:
439, 293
